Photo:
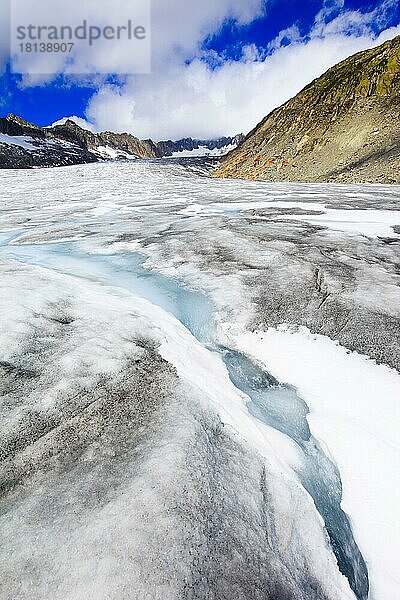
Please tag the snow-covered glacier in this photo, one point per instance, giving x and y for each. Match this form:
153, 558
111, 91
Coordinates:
200, 387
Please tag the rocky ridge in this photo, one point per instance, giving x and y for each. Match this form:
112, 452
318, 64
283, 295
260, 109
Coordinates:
25, 145
343, 127
169, 147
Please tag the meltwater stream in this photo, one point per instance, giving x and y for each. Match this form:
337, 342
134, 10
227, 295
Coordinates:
277, 405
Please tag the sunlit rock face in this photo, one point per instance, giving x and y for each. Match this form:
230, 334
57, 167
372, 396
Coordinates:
145, 450
343, 127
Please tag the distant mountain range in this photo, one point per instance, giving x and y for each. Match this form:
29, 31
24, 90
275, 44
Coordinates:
343, 127
25, 145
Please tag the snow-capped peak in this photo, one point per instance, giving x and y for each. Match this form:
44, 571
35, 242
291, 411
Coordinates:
77, 120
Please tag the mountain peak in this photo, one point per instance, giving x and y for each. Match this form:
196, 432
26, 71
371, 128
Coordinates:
12, 118
69, 124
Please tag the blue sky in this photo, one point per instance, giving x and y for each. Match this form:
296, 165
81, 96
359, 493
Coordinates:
281, 14
203, 72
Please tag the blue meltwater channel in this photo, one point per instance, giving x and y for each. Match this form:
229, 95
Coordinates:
279, 406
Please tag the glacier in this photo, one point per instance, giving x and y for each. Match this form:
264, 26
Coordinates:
169, 427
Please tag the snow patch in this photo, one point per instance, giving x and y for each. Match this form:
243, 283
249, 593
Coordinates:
109, 152
369, 222
204, 151
18, 140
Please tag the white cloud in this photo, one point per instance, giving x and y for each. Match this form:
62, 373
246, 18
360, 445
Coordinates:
179, 26
185, 96
87, 55
177, 29
194, 100
333, 20
4, 32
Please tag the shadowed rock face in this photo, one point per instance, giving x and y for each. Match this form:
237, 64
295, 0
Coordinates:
43, 154
344, 127
66, 144
14, 125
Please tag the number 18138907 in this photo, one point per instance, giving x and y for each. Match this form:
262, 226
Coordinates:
46, 47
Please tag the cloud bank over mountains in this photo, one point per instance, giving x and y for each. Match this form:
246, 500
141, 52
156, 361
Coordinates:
205, 94
210, 101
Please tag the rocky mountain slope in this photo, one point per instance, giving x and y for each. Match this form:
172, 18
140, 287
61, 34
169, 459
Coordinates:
25, 145
343, 127
105, 142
